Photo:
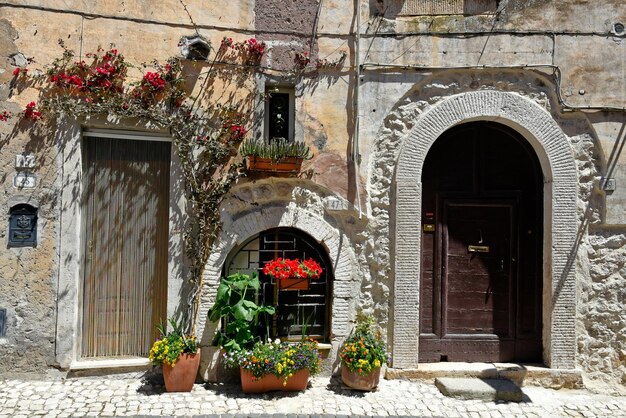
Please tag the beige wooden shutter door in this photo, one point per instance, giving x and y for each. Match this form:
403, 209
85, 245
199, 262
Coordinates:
125, 238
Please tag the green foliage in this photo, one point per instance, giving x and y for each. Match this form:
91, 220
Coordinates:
365, 350
236, 306
278, 358
276, 149
169, 347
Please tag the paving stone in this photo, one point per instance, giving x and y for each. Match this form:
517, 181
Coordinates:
84, 397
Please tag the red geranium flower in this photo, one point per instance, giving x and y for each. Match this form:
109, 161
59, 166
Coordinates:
293, 268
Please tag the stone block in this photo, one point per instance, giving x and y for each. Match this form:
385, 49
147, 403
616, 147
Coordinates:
483, 389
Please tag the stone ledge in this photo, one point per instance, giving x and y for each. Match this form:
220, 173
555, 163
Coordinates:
84, 368
520, 374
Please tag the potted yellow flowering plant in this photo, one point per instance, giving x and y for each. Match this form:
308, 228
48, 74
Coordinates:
179, 355
277, 365
363, 354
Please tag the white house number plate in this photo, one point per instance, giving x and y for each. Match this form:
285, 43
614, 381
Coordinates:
24, 181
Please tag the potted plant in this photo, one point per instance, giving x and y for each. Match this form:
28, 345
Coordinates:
363, 354
277, 155
291, 274
235, 306
276, 365
179, 355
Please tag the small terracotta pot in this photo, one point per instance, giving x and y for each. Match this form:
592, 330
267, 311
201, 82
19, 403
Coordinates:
269, 382
356, 381
182, 376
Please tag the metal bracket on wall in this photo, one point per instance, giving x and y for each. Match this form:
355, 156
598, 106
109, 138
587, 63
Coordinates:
609, 184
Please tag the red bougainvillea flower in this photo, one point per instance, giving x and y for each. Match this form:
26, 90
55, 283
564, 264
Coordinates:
154, 80
4, 116
31, 113
285, 268
238, 131
226, 43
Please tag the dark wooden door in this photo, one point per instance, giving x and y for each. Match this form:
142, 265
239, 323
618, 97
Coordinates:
481, 267
478, 248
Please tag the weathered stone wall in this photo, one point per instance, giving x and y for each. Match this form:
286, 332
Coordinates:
602, 303
574, 42
601, 277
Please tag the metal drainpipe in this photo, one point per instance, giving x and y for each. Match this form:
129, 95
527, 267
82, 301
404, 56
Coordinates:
356, 157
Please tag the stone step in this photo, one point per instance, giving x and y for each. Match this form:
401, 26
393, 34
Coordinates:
520, 374
482, 389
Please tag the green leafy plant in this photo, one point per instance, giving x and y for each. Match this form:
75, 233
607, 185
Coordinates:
281, 359
365, 350
170, 345
236, 306
276, 149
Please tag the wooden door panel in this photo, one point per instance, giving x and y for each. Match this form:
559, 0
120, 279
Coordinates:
126, 208
472, 280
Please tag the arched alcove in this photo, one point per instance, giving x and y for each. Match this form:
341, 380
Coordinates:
241, 229
302, 307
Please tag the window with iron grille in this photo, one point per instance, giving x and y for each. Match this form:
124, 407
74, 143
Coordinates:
298, 312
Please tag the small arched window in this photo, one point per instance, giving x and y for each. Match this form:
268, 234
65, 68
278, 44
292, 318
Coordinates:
298, 312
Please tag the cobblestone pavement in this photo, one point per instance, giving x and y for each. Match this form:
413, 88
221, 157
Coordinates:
123, 397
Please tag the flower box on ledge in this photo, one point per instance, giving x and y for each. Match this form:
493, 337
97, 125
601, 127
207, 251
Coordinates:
293, 283
288, 165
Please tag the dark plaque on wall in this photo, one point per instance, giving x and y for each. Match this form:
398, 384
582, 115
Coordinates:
3, 320
23, 226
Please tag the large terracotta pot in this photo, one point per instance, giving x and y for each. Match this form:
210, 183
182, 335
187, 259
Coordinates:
358, 382
268, 383
182, 376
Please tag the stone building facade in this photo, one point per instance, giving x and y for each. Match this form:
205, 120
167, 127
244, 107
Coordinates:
549, 75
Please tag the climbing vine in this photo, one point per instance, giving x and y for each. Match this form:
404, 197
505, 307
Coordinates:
207, 120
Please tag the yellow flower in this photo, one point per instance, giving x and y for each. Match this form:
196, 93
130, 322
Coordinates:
377, 363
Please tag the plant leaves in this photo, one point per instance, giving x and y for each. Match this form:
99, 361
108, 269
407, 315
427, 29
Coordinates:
241, 313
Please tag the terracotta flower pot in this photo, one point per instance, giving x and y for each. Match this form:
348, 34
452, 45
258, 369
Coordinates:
293, 284
269, 382
284, 165
182, 376
358, 382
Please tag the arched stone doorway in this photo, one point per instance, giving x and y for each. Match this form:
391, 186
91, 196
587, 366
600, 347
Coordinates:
555, 155
298, 311
481, 277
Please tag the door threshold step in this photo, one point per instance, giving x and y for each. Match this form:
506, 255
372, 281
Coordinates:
519, 373
482, 389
